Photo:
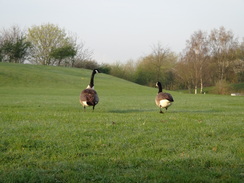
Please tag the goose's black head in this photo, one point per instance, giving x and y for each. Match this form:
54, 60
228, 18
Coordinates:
95, 71
159, 86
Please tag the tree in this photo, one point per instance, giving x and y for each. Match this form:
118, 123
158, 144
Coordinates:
45, 39
183, 75
105, 68
83, 56
239, 63
223, 46
63, 52
195, 56
86, 64
83, 53
13, 45
125, 71
156, 67
209, 59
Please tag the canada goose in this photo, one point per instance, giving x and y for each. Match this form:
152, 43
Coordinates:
163, 100
89, 97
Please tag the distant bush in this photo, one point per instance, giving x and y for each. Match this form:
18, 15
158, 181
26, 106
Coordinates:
222, 87
104, 68
86, 64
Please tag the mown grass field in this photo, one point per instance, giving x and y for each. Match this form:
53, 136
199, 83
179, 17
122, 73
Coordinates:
47, 137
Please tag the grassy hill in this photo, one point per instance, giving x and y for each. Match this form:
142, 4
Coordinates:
47, 137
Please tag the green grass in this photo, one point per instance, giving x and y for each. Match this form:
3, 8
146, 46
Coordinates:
238, 87
47, 137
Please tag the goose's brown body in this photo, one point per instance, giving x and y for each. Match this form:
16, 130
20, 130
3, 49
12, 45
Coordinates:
163, 100
89, 96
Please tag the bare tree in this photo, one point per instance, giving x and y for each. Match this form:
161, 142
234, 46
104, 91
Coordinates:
195, 57
223, 46
210, 58
125, 71
156, 66
83, 54
183, 74
238, 64
159, 60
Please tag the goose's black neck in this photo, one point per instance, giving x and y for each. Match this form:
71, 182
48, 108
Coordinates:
92, 78
160, 89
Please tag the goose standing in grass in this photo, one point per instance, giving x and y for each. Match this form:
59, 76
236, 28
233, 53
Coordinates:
163, 100
89, 97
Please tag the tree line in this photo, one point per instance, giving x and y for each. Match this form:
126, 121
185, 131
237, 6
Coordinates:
46, 44
209, 59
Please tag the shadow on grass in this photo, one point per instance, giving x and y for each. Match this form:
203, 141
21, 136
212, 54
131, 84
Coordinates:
157, 111
130, 110
197, 111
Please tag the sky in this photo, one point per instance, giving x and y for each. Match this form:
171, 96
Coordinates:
121, 30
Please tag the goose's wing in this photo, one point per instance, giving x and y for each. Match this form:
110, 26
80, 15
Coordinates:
90, 96
166, 96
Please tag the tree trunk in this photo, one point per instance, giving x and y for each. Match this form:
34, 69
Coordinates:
195, 89
59, 61
201, 89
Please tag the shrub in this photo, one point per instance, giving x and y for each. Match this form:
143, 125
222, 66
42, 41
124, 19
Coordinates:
222, 87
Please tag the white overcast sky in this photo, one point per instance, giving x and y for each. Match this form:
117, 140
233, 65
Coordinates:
120, 30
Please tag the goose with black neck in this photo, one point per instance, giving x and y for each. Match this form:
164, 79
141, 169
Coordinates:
89, 96
163, 100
